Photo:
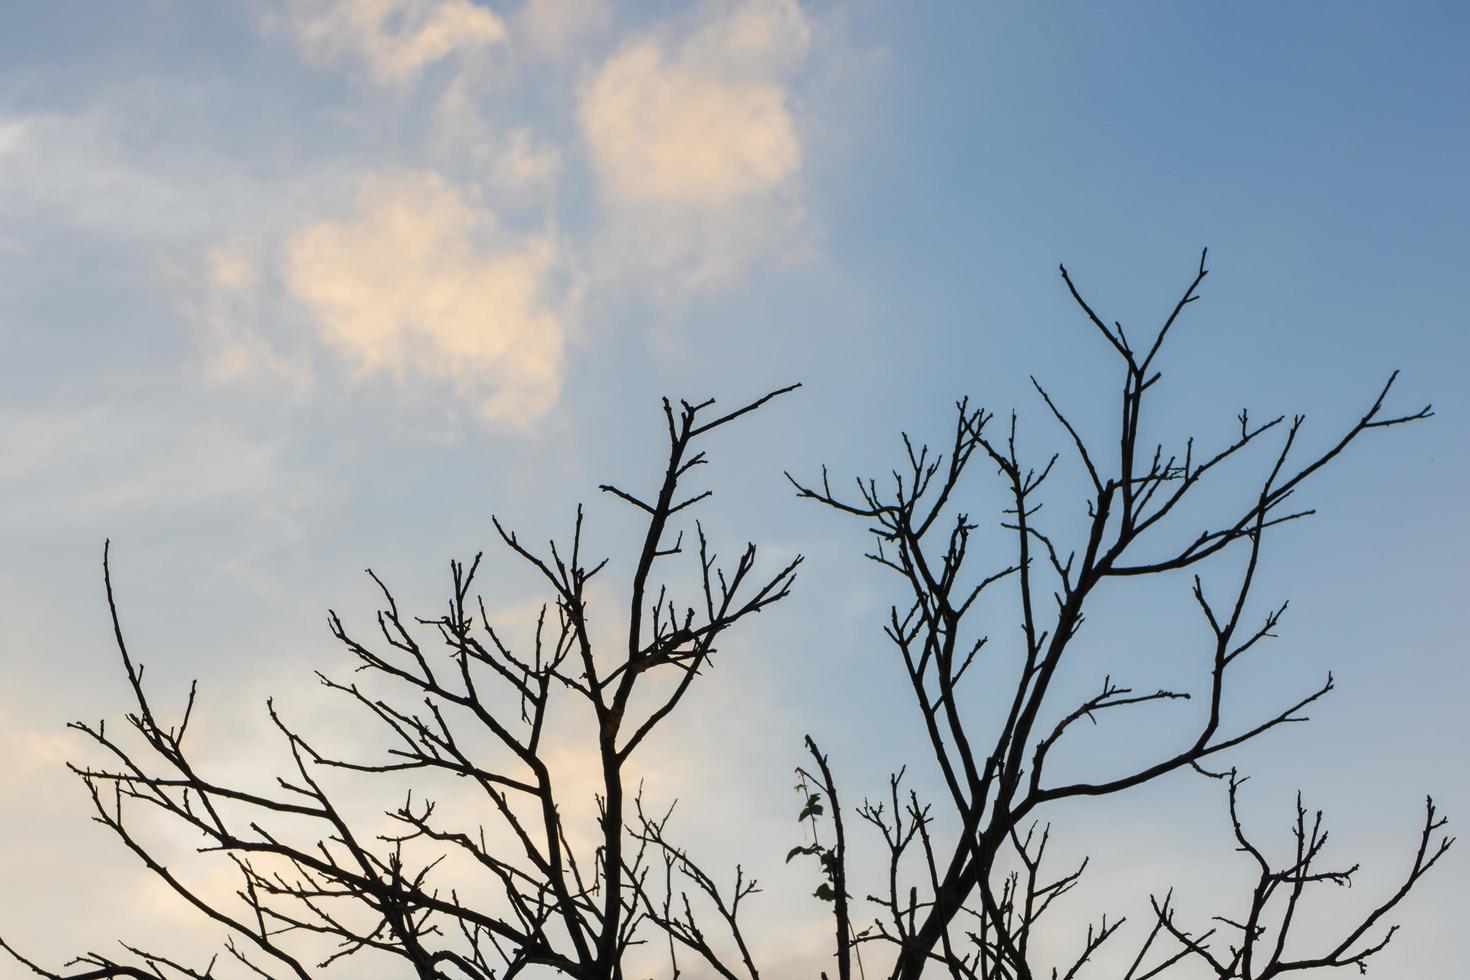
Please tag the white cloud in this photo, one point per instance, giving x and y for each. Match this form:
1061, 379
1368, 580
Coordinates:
79, 168
150, 469
423, 287
151, 463
696, 147
394, 39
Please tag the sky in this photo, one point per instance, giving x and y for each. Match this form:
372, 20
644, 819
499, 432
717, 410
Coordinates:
293, 289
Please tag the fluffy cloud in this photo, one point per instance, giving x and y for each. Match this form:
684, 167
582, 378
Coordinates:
707, 125
696, 148
394, 39
663, 132
422, 287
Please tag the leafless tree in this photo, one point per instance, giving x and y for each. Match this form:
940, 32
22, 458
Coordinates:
479, 711
1259, 951
981, 889
967, 878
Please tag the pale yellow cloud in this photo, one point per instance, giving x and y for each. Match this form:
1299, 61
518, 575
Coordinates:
707, 124
421, 286
393, 39
695, 145
668, 132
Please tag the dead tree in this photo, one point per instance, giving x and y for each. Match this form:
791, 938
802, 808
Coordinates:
983, 891
966, 882
317, 887
1256, 949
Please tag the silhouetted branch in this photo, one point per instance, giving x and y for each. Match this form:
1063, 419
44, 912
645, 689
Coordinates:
995, 774
310, 874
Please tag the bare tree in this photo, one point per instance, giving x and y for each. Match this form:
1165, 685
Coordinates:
967, 875
1257, 949
982, 889
476, 710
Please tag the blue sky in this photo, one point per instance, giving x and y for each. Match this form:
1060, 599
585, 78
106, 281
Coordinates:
290, 289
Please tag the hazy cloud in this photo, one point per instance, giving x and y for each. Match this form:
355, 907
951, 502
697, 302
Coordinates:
519, 166
522, 163
553, 28
79, 168
233, 308
393, 39
82, 473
